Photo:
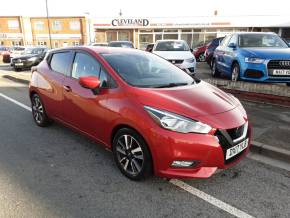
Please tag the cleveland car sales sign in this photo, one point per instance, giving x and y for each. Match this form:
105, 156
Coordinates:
130, 22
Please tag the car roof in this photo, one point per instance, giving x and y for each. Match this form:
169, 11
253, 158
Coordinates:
100, 50
169, 40
253, 33
120, 42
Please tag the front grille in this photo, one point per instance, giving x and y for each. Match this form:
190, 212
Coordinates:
226, 139
254, 74
279, 64
176, 61
236, 132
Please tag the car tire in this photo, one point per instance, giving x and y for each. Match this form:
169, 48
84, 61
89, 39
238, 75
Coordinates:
17, 69
201, 57
38, 111
214, 71
288, 84
131, 154
235, 75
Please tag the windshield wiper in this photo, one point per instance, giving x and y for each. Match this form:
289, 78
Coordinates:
171, 85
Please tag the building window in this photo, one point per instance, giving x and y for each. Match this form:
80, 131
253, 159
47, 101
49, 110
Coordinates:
57, 25
39, 25
76, 43
74, 25
41, 43
13, 24
16, 43
56, 44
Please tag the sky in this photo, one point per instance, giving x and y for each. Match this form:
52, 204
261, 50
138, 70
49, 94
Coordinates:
144, 8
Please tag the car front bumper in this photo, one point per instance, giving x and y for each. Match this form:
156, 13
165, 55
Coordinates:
207, 150
261, 73
24, 64
188, 67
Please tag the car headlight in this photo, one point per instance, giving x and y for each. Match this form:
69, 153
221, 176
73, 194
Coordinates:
190, 60
177, 123
254, 60
32, 59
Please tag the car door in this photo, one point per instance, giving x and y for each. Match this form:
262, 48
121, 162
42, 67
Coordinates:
85, 110
51, 81
220, 54
230, 54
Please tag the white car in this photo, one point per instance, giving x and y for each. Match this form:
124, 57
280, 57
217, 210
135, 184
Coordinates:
177, 52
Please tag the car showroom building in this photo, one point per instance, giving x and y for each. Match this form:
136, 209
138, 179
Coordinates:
194, 30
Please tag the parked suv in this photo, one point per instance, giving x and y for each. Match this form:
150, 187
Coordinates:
211, 48
177, 52
261, 57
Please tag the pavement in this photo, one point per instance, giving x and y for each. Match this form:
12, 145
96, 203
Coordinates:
56, 172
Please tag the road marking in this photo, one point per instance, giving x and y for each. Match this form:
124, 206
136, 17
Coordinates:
15, 102
200, 194
210, 199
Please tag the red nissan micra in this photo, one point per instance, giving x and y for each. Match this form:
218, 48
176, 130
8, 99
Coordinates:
152, 115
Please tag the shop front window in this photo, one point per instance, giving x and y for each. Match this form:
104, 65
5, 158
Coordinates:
187, 38
111, 36
145, 39
210, 36
123, 36
170, 36
198, 39
158, 37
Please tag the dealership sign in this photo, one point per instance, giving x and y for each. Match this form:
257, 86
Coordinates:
130, 22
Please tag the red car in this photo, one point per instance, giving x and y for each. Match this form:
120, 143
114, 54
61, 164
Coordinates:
152, 115
199, 53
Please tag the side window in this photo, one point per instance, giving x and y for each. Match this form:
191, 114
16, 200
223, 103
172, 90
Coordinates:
226, 40
85, 65
233, 40
61, 62
106, 80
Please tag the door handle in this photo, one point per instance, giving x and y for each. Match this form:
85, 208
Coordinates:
67, 88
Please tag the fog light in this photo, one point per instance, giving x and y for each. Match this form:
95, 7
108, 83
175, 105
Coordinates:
183, 163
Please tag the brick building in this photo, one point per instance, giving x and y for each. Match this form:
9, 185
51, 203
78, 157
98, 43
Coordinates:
63, 31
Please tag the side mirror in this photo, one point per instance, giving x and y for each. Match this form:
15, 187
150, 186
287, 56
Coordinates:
90, 82
232, 45
191, 50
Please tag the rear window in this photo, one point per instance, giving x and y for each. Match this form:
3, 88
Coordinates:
121, 44
172, 46
61, 62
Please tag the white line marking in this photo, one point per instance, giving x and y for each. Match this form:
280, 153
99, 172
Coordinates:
15, 102
210, 199
206, 197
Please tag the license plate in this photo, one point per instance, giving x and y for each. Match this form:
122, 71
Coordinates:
231, 152
18, 64
281, 72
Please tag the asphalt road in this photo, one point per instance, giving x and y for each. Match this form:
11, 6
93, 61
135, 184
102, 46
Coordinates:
55, 172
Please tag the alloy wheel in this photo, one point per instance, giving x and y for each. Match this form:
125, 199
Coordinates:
235, 73
130, 154
37, 109
201, 58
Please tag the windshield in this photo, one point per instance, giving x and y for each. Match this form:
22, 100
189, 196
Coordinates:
121, 44
147, 70
33, 51
172, 46
261, 41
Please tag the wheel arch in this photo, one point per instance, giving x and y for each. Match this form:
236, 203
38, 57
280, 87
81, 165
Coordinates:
121, 126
